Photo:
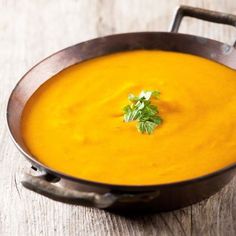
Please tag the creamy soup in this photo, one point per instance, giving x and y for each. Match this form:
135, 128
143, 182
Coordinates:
74, 122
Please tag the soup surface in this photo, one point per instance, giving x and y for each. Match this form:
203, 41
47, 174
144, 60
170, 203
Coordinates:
74, 122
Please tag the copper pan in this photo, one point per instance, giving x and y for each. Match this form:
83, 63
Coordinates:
65, 188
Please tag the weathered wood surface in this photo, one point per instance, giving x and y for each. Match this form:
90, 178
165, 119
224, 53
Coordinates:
30, 31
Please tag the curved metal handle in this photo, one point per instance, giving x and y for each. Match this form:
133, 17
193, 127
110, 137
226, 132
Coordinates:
43, 185
40, 185
202, 14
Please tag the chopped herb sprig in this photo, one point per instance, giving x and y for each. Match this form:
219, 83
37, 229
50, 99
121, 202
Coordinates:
142, 110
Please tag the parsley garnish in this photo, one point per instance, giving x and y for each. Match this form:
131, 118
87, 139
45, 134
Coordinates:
143, 111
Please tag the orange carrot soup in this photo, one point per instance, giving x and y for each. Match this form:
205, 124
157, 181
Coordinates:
74, 123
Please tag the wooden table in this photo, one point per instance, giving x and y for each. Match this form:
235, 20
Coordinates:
32, 30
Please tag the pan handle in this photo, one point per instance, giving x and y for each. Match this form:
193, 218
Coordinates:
44, 185
202, 14
41, 184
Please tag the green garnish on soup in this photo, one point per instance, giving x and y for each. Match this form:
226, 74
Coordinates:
143, 111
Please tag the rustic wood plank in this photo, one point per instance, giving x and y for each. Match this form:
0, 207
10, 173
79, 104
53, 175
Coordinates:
31, 30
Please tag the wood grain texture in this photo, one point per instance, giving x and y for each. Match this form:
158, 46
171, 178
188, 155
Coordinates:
30, 31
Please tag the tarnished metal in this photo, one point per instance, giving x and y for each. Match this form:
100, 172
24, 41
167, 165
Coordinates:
202, 14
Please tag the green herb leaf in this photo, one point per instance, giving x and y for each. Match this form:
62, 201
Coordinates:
146, 127
143, 111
